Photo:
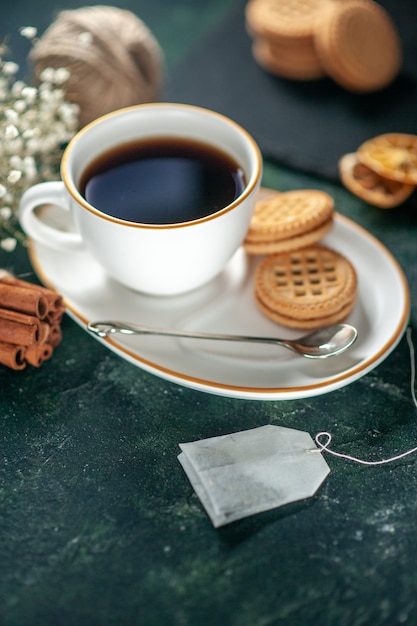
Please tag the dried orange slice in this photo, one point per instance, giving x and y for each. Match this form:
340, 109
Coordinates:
362, 181
392, 155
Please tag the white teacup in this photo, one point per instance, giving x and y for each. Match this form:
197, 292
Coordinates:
159, 259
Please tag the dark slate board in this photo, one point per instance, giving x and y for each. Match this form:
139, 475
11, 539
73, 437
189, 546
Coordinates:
305, 125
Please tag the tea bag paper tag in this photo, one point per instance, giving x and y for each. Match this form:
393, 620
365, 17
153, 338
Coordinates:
256, 470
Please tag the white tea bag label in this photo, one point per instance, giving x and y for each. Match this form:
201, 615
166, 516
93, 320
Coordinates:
248, 472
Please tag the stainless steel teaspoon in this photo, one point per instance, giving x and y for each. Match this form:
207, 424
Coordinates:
319, 344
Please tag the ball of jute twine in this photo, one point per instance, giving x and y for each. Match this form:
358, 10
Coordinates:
113, 59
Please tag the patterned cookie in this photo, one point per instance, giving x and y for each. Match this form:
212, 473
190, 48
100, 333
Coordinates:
370, 186
283, 19
296, 62
392, 155
309, 288
358, 45
289, 220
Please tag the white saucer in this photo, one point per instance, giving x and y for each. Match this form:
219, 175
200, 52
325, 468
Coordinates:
227, 305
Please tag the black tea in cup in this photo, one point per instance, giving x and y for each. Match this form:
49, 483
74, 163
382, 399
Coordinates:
163, 180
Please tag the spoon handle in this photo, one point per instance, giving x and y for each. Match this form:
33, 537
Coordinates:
103, 329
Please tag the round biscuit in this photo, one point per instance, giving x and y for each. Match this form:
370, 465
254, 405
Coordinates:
288, 214
287, 61
309, 284
359, 45
366, 184
283, 19
291, 243
392, 155
306, 324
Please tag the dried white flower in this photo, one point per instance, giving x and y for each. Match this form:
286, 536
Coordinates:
20, 106
14, 176
15, 162
8, 244
29, 94
47, 75
29, 32
17, 88
10, 68
11, 115
35, 125
5, 213
29, 168
11, 132
62, 75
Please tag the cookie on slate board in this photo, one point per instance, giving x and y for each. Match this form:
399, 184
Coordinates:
283, 36
354, 42
296, 62
358, 45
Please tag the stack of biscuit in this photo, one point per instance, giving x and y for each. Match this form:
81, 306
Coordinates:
354, 42
383, 170
289, 220
299, 282
283, 36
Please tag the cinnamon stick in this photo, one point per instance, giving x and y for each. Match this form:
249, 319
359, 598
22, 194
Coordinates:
55, 335
36, 355
18, 328
12, 356
30, 317
54, 300
44, 332
54, 316
23, 299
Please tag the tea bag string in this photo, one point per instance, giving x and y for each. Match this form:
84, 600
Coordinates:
324, 445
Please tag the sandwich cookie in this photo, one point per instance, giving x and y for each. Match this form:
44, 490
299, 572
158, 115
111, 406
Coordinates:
307, 289
289, 220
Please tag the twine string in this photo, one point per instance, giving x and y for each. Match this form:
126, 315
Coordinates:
323, 439
113, 58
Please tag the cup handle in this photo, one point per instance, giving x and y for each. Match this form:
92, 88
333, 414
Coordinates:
49, 193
